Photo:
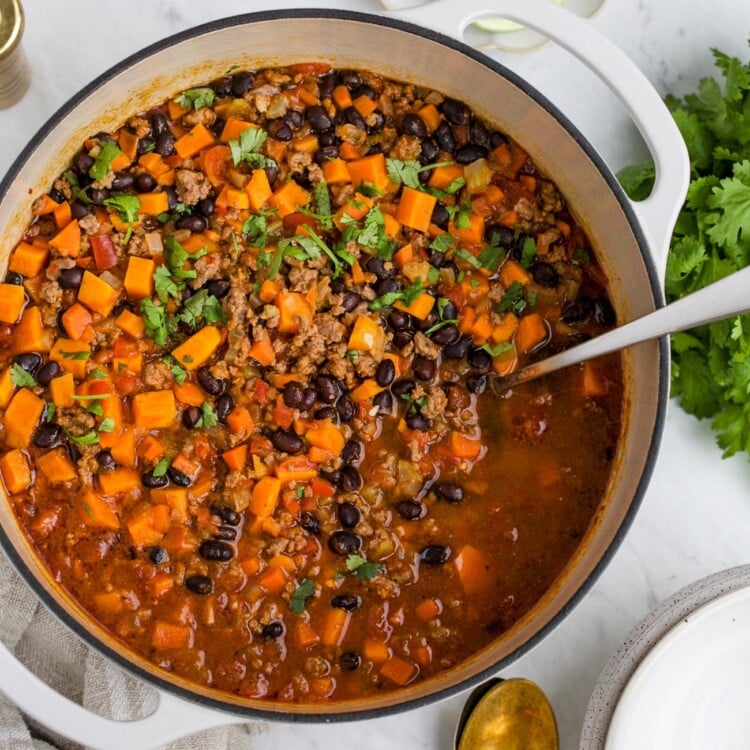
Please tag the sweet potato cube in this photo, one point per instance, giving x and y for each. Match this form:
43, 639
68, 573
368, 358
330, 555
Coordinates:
197, 350
16, 472
139, 278
154, 409
21, 418
56, 466
97, 294
11, 302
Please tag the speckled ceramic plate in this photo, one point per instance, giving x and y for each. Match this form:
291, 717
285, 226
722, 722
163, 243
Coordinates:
675, 680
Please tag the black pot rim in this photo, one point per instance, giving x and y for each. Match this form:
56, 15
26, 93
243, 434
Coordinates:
285, 712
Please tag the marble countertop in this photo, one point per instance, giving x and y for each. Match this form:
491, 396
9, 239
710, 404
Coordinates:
695, 518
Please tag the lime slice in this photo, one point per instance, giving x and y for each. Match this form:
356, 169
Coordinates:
502, 25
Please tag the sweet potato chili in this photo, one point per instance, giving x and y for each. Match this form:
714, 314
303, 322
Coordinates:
247, 345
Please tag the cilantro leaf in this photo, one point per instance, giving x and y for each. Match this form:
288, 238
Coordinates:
247, 148
208, 418
255, 231
196, 98
201, 305
107, 425
495, 350
155, 319
404, 172
76, 188
161, 468
362, 569
302, 593
528, 252
90, 438
512, 300
127, 207
108, 151
20, 378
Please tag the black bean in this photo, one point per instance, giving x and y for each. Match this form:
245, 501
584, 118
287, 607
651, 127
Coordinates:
159, 123
577, 310
293, 394
329, 138
242, 82
470, 153
191, 416
327, 412
444, 138
218, 288
417, 422
105, 460
82, 163
215, 549
348, 514
193, 222
449, 311
99, 195
327, 388
226, 533
158, 555
224, 404
427, 322
338, 286
453, 493
459, 349
144, 146
429, 152
210, 384
309, 397
350, 661
206, 207
410, 510
457, 113
294, 118
122, 181
402, 339
272, 174
446, 335
58, 320
376, 122
348, 602
353, 117
280, 130
435, 554
413, 124
364, 90
47, 435
399, 320
273, 630
178, 478
423, 367
479, 134
48, 372
286, 441
29, 361
199, 584
403, 386
344, 543
386, 286
350, 301
153, 482
385, 373
310, 523
440, 217
349, 78
499, 235
352, 452
57, 195
79, 209
351, 480
384, 402
14, 278
377, 266
164, 144
480, 360
603, 312
476, 384
346, 408
545, 275
226, 514
318, 119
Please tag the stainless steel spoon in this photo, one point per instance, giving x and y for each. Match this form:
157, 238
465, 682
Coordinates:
507, 715
722, 299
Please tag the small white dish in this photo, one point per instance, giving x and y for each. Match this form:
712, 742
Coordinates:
681, 679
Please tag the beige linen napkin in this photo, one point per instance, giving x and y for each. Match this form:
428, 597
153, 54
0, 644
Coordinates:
59, 658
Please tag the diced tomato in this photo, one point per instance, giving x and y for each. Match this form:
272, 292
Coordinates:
104, 251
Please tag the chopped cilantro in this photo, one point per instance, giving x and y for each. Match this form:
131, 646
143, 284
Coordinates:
433, 275
108, 151
512, 300
438, 326
491, 256
497, 349
581, 257
407, 172
407, 295
247, 148
208, 418
202, 305
300, 492
196, 98
158, 326
97, 374
465, 255
76, 188
90, 438
178, 373
49, 411
162, 467
442, 243
95, 408
107, 425
255, 231
127, 207
528, 252
20, 378
362, 569
302, 593
164, 285
322, 201
75, 355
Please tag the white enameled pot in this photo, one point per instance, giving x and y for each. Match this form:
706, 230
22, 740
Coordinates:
417, 45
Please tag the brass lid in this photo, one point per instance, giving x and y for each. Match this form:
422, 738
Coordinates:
11, 26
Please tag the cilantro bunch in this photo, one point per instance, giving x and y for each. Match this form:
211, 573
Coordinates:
711, 364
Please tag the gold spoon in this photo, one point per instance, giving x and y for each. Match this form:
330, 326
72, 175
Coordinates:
507, 715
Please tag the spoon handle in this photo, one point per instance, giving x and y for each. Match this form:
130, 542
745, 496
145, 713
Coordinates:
722, 299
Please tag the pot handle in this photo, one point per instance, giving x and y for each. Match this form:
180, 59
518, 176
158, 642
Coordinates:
173, 718
657, 213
